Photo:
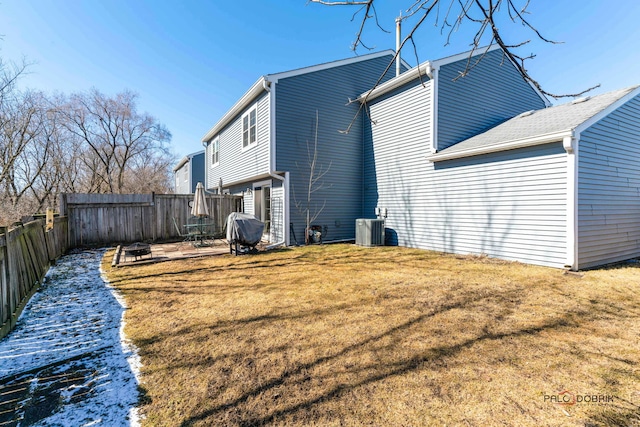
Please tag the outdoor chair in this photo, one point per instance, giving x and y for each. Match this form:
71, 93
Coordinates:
185, 236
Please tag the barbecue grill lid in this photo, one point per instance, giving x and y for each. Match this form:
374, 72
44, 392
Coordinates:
244, 228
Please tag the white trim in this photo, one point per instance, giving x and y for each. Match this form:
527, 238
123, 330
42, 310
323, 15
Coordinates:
501, 146
262, 184
272, 126
635, 90
570, 144
287, 214
250, 145
238, 107
434, 111
329, 65
423, 69
181, 163
265, 81
186, 159
215, 148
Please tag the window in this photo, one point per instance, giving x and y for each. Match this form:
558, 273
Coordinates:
215, 152
249, 128
186, 172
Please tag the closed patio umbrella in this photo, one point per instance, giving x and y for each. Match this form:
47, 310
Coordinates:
199, 208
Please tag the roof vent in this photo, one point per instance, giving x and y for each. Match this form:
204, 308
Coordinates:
580, 100
527, 113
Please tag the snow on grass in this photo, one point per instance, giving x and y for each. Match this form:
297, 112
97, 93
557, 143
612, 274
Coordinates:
72, 328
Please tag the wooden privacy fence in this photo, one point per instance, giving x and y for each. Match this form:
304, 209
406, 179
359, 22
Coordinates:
99, 219
26, 253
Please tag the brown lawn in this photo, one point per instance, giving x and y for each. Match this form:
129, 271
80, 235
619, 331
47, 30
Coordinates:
341, 335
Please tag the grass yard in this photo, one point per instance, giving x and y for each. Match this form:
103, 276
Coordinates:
340, 335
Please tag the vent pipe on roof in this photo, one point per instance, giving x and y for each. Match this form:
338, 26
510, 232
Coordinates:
398, 42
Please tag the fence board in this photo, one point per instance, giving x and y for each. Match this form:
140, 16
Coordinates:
106, 219
26, 252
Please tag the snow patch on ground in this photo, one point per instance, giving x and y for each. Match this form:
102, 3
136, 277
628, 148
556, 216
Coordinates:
69, 347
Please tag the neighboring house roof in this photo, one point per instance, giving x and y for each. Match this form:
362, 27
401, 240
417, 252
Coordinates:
425, 69
186, 159
264, 82
536, 127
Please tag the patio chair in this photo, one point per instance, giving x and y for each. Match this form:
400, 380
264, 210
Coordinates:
186, 237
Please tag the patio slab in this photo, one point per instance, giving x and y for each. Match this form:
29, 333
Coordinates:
170, 251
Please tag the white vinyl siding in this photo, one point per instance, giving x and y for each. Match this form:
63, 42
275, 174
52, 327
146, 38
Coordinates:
236, 164
609, 188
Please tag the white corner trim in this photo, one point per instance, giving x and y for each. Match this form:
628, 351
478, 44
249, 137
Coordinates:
254, 91
434, 111
570, 144
501, 146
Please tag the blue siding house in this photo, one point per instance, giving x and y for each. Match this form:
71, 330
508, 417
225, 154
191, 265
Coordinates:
188, 172
483, 165
260, 148
582, 209
458, 160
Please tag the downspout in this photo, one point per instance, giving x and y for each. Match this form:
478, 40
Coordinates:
206, 164
570, 145
270, 87
432, 73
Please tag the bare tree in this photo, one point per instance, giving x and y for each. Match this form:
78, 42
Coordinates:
83, 143
114, 135
448, 16
21, 124
308, 207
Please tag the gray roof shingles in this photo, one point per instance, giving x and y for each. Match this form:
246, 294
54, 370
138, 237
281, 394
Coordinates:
549, 120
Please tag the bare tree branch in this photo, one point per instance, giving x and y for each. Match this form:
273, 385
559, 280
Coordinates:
485, 11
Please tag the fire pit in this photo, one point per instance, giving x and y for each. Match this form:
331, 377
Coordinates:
137, 250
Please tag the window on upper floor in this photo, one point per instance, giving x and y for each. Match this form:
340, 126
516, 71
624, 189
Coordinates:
215, 152
186, 172
250, 128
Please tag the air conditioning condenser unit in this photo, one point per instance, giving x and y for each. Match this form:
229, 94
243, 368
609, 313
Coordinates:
369, 232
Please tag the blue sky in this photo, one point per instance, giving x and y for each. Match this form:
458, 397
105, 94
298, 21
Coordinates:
190, 60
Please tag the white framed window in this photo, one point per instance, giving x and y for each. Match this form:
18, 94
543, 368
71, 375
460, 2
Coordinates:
250, 128
215, 152
186, 172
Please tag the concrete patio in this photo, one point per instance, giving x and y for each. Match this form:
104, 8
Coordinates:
170, 251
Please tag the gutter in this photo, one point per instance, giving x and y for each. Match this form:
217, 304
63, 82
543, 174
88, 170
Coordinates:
181, 163
424, 69
501, 146
260, 85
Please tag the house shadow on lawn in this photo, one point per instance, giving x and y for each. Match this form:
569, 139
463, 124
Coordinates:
436, 358
320, 345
